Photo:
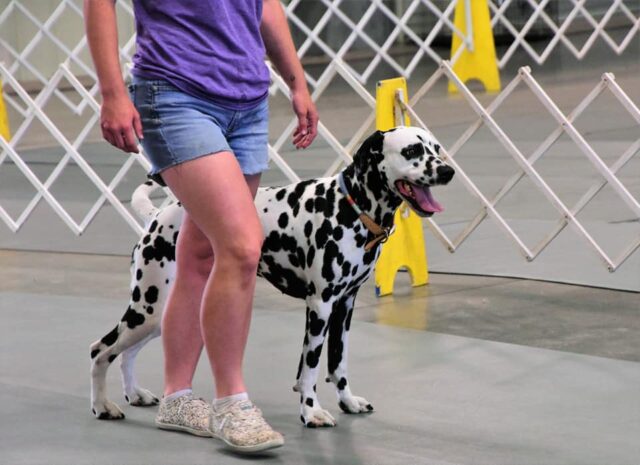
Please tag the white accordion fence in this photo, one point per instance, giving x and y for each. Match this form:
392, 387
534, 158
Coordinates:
74, 83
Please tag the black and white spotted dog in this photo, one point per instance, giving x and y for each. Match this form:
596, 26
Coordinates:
322, 239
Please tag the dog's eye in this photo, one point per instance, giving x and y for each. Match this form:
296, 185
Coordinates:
412, 151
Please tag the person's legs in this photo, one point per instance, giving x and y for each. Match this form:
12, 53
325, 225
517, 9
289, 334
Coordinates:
216, 196
181, 319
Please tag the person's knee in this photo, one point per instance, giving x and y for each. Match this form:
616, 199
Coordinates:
240, 257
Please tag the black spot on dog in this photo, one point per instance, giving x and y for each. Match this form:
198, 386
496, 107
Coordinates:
271, 243
311, 290
150, 310
336, 325
160, 249
338, 232
284, 279
309, 401
343, 407
111, 337
315, 324
133, 318
146, 239
346, 268
319, 190
308, 205
412, 151
322, 234
153, 226
313, 357
94, 353
135, 295
139, 274
342, 383
283, 220
151, 296
311, 253
293, 199
330, 254
308, 228
280, 194
112, 357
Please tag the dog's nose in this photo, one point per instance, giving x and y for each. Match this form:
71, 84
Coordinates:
445, 173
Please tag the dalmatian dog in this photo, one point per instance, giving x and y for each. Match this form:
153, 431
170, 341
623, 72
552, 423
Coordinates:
322, 239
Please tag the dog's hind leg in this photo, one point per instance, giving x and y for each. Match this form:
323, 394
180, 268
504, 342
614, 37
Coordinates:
126, 334
102, 356
311, 412
134, 394
339, 325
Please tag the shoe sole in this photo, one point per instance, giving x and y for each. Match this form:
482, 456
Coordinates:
183, 429
262, 447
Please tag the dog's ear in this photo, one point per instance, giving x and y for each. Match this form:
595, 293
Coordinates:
370, 151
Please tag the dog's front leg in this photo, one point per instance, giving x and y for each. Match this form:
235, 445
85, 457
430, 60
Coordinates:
311, 413
339, 324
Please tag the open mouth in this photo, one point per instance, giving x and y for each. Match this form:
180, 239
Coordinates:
419, 197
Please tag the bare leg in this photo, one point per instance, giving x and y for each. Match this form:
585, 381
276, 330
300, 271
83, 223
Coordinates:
212, 298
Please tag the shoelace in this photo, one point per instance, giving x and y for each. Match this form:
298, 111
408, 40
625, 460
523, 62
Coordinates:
249, 419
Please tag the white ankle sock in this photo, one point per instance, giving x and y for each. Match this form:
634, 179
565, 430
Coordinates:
180, 393
223, 402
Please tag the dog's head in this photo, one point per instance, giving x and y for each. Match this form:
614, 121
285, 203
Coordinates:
405, 163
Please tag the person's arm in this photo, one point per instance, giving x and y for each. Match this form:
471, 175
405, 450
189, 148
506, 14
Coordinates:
119, 120
282, 52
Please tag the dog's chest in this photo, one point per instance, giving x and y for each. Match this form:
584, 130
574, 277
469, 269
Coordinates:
312, 237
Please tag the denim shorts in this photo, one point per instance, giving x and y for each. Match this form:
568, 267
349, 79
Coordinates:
179, 127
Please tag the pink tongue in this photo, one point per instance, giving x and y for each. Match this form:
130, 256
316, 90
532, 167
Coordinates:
426, 200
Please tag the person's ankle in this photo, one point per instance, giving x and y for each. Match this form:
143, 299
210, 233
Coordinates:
221, 403
175, 392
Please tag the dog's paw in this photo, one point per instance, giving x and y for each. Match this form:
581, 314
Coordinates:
107, 410
141, 398
315, 417
355, 404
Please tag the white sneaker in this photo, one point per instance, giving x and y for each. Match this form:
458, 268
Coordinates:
243, 429
185, 414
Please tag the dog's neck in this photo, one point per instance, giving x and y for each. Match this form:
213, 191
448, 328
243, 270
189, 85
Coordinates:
371, 193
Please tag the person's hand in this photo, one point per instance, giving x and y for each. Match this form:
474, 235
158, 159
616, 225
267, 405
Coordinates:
307, 114
120, 123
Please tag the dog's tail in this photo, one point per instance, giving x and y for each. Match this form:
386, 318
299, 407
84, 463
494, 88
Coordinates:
141, 200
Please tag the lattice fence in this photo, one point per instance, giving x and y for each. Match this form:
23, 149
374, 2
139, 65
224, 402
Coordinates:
374, 30
565, 125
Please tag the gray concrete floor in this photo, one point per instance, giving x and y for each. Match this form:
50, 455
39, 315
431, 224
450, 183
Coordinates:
459, 371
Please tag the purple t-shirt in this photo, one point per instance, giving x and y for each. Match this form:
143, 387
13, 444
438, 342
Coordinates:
211, 49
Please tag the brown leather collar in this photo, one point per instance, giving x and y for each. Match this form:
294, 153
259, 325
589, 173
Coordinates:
381, 234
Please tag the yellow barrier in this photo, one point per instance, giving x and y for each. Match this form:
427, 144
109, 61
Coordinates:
479, 63
5, 132
405, 247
